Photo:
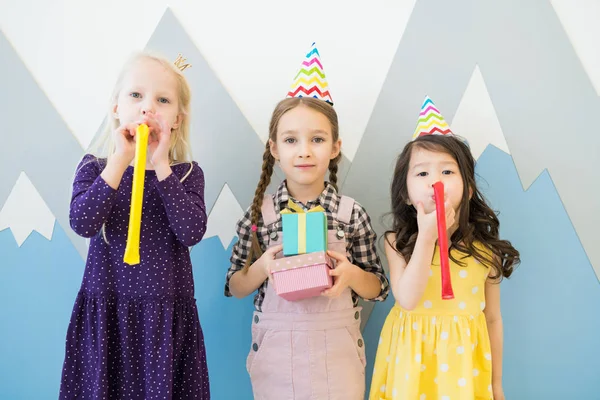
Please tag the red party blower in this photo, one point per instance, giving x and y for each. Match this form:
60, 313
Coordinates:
440, 211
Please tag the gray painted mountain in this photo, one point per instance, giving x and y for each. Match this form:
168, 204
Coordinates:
541, 94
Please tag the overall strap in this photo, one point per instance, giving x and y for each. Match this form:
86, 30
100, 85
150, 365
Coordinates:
268, 210
345, 209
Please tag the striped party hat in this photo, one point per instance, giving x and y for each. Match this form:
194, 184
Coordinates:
310, 80
431, 121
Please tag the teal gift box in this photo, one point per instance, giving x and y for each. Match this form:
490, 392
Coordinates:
303, 231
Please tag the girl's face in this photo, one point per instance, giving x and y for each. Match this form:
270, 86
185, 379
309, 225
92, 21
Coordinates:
148, 89
428, 167
304, 146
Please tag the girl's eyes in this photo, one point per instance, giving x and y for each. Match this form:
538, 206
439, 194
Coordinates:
137, 95
293, 140
444, 172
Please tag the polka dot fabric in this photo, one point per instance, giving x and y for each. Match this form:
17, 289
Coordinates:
134, 331
441, 349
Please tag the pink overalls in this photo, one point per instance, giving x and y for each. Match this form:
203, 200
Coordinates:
312, 348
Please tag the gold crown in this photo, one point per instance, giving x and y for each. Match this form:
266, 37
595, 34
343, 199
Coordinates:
180, 63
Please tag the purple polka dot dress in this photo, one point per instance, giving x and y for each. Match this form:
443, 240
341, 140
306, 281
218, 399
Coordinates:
134, 332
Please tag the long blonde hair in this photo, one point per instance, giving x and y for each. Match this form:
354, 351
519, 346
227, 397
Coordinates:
180, 150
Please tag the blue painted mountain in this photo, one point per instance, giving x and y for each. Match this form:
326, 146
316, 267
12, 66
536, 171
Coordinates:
38, 285
550, 304
226, 322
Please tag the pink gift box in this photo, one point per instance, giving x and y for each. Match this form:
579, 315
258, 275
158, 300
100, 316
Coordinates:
302, 276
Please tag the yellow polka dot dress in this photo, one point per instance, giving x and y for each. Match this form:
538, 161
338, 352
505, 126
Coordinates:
441, 349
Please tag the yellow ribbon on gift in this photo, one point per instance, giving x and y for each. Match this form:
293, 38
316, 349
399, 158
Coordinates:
294, 208
132, 249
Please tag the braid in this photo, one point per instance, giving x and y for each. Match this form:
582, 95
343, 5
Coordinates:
333, 169
263, 183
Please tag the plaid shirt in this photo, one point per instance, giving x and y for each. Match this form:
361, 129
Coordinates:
361, 243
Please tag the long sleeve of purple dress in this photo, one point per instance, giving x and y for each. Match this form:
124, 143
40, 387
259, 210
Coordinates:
92, 198
184, 202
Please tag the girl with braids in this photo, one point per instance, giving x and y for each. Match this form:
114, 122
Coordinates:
311, 348
432, 348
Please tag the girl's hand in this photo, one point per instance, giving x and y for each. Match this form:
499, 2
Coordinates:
159, 141
498, 392
124, 139
428, 222
265, 262
343, 274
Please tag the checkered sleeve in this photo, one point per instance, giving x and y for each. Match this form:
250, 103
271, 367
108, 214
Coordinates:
241, 249
364, 250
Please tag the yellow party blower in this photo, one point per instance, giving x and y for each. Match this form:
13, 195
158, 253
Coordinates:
132, 250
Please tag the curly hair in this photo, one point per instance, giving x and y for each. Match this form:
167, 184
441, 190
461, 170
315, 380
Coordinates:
477, 222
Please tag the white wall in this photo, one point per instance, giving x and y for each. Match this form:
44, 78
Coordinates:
75, 48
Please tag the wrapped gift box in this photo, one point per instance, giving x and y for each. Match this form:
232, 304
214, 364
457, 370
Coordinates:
303, 231
302, 276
